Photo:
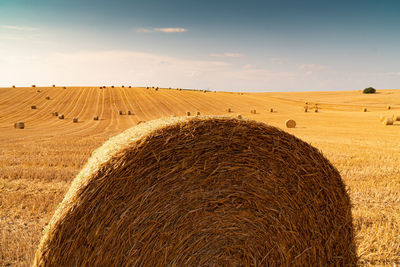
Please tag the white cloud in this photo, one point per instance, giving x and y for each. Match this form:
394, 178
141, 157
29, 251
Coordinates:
277, 61
393, 73
164, 30
227, 54
18, 28
310, 67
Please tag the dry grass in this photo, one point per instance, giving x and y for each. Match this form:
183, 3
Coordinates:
37, 164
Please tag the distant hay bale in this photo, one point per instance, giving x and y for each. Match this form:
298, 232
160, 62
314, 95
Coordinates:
271, 110
96, 118
64, 87
147, 87
121, 113
112, 86
388, 121
48, 97
61, 116
33, 107
13, 86
396, 117
306, 103
54, 85
364, 109
203, 191
75, 120
253, 111
129, 112
240, 116
229, 110
290, 124
157, 88
316, 110
130, 86
123, 86
55, 113
198, 113
305, 109
188, 113
19, 125
101, 87
38, 91
33, 85
388, 107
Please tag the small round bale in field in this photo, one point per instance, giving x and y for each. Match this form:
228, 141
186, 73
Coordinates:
64, 87
271, 110
19, 125
316, 110
203, 191
129, 112
253, 111
198, 113
120, 112
229, 110
38, 91
290, 124
305, 109
47, 97
188, 113
55, 113
396, 117
75, 120
33, 85
54, 85
61, 116
388, 121
364, 109
240, 116
33, 107
96, 118
388, 107
13, 86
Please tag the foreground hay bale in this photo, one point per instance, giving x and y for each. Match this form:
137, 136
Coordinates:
202, 191
290, 124
19, 125
388, 121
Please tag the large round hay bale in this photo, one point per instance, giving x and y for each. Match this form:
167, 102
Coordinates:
290, 124
202, 191
388, 121
19, 125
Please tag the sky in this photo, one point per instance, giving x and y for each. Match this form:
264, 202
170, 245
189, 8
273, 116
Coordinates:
266, 45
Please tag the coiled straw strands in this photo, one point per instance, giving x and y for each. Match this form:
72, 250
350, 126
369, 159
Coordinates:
202, 191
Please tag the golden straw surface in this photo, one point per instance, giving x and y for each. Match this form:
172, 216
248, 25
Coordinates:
202, 191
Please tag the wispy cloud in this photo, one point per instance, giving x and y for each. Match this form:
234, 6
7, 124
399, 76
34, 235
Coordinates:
164, 30
18, 28
310, 67
277, 61
227, 54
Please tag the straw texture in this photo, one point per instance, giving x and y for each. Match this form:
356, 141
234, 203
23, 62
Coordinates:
202, 191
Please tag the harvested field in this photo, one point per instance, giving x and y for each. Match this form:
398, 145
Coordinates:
39, 163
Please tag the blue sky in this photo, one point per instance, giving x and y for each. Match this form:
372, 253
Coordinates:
286, 45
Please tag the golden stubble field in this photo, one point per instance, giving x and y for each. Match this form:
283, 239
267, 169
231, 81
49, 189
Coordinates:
38, 163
